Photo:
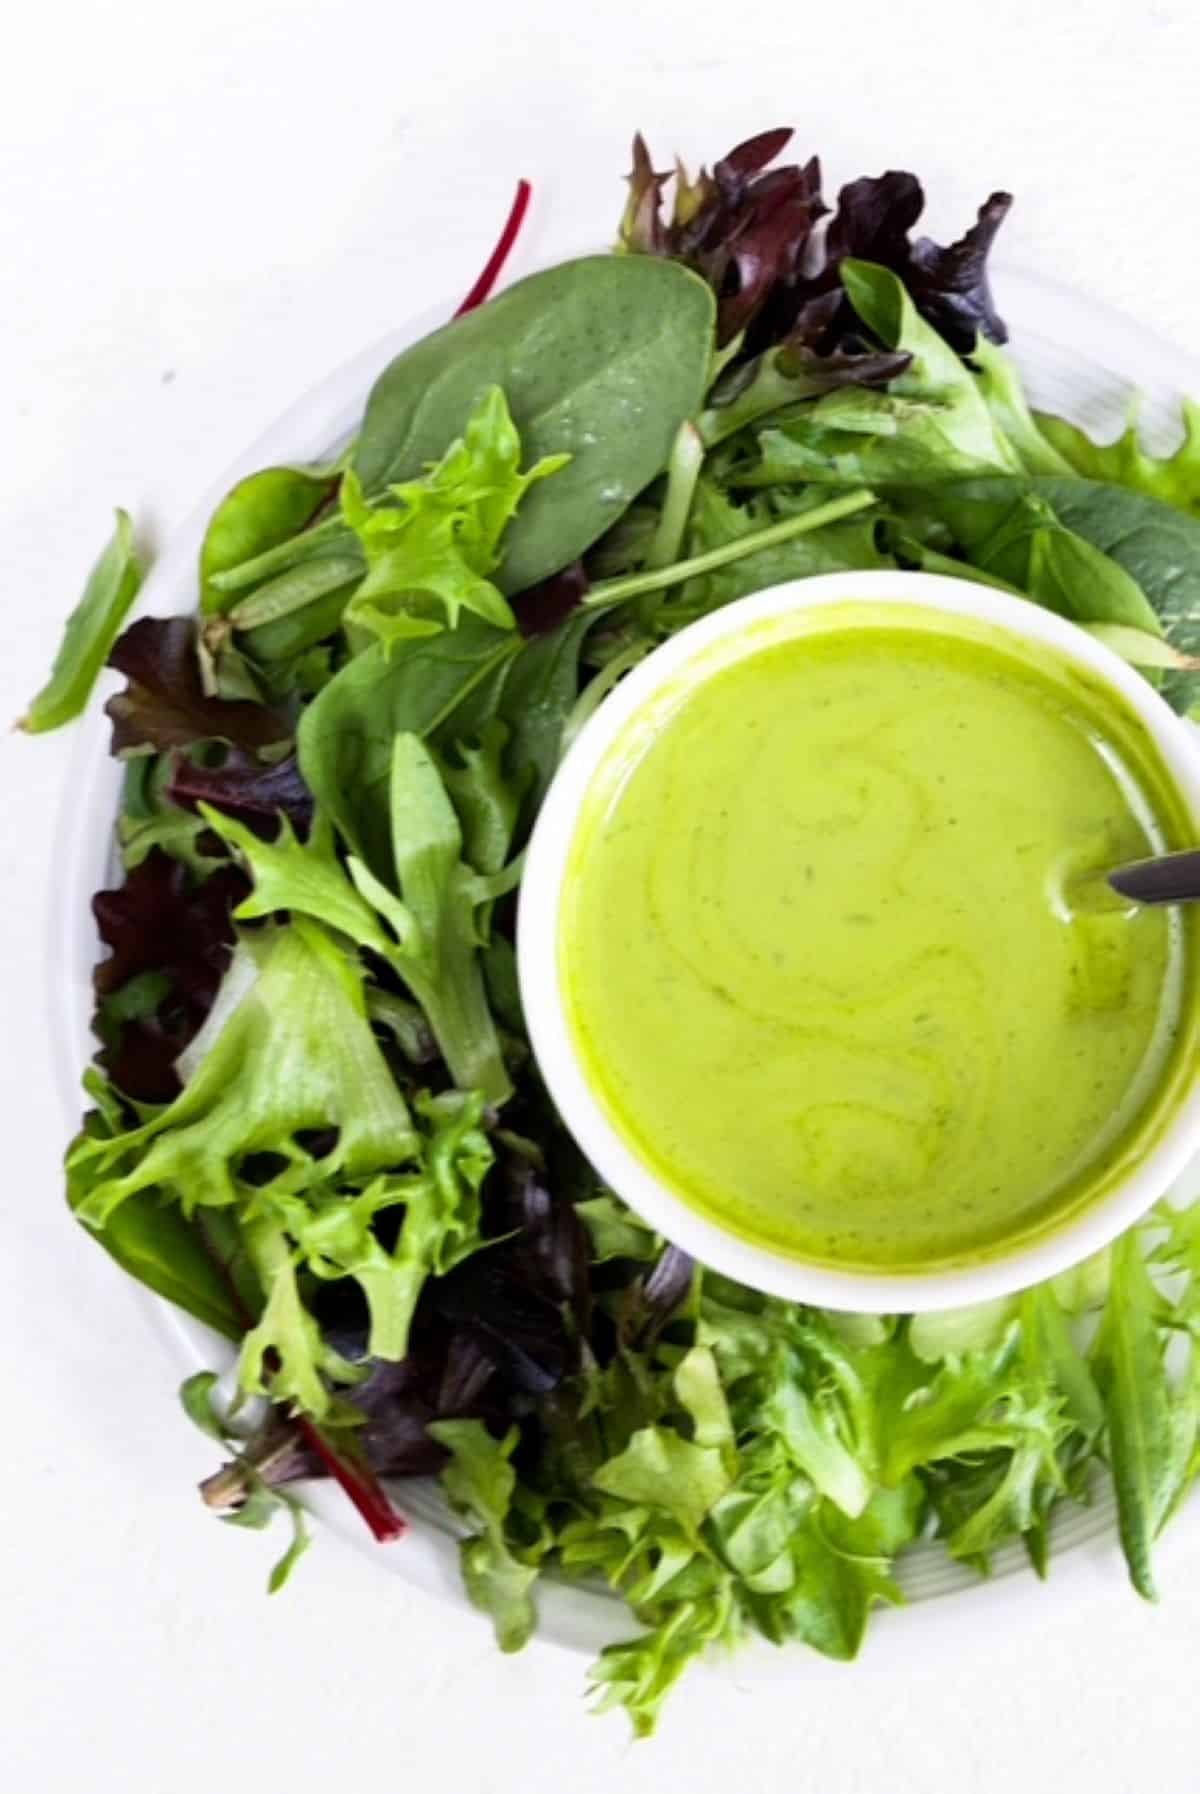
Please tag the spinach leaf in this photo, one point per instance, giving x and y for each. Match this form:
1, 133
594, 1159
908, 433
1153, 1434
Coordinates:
260, 512
1156, 546
90, 632
346, 734
601, 359
539, 691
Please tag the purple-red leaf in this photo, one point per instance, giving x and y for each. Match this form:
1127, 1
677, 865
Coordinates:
749, 229
159, 921
242, 786
950, 286
165, 704
541, 608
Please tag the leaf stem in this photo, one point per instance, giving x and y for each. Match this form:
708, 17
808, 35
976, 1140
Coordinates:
683, 470
359, 1483
632, 585
494, 265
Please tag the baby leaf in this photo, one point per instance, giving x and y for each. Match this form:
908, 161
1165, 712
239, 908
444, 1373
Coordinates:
346, 734
600, 359
91, 630
1174, 478
260, 512
1142, 1436
438, 537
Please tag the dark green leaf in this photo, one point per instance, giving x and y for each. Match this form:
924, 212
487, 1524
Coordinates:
90, 632
601, 359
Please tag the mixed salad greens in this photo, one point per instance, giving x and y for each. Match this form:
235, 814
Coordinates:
316, 1124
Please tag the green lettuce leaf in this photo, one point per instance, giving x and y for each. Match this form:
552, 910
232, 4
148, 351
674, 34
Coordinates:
480, 1483
435, 905
438, 538
287, 1056
1173, 478
931, 424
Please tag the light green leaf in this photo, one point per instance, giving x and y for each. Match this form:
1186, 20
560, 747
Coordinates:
262, 511
1141, 647
1004, 395
1173, 478
196, 1397
662, 1470
480, 1482
698, 1386
931, 425
614, 1231
1143, 1438
439, 537
301, 1540
295, 1054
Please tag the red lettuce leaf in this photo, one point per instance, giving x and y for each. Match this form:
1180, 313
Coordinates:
540, 609
243, 786
159, 921
165, 704
751, 231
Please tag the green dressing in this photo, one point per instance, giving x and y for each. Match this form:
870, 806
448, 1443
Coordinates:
831, 955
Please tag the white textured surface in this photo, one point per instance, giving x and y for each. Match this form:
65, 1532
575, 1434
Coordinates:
204, 210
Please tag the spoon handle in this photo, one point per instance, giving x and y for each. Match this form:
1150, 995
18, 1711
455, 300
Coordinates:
1168, 878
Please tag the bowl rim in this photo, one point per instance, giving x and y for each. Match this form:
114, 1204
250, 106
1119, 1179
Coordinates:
703, 649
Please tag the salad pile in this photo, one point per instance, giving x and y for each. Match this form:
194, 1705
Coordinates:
315, 1123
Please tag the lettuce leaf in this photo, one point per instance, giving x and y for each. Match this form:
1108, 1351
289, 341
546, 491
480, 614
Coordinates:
1173, 478
439, 537
286, 1060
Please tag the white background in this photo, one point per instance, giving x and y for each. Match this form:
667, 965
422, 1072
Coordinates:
204, 209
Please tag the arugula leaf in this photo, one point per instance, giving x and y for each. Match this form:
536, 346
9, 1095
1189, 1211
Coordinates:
436, 920
1004, 395
439, 537
1148, 1457
90, 632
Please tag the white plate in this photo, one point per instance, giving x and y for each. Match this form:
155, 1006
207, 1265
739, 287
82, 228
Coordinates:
1077, 359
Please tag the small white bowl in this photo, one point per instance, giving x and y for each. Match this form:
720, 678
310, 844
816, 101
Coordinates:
1066, 1241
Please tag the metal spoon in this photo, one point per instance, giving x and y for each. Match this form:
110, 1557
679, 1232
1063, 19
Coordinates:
1167, 878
